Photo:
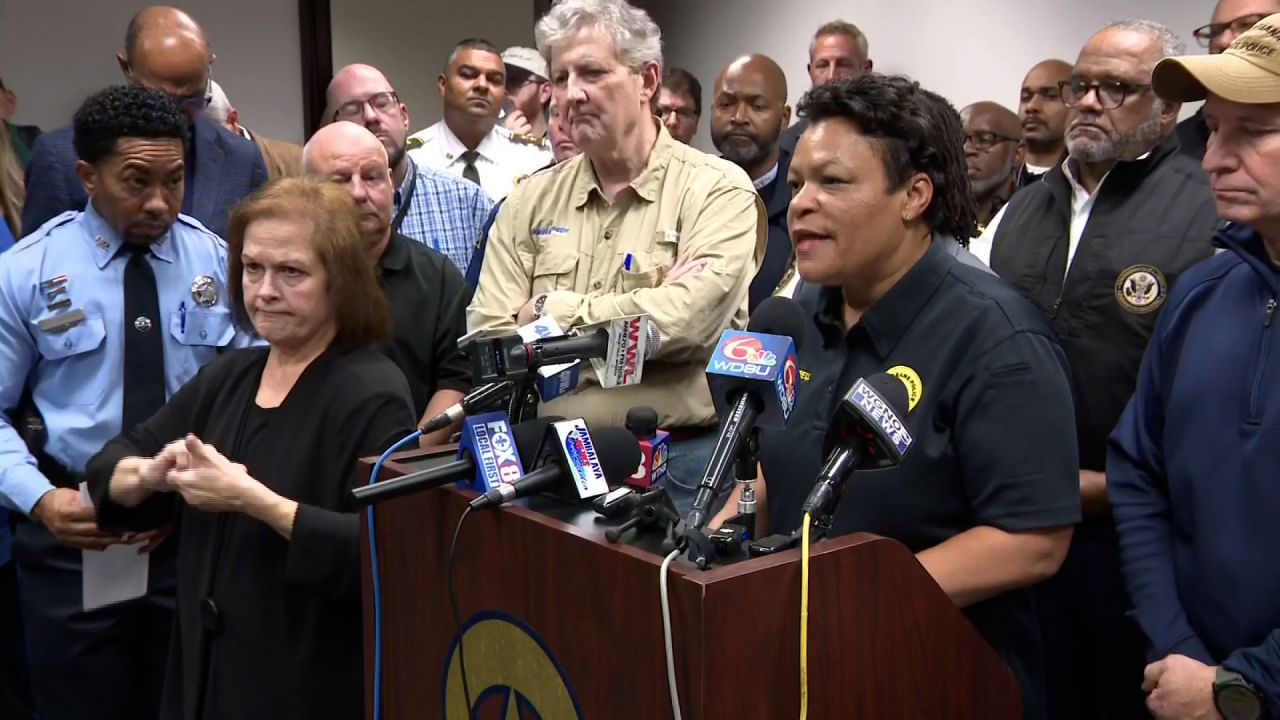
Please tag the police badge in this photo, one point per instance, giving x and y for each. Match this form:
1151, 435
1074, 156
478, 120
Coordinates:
204, 291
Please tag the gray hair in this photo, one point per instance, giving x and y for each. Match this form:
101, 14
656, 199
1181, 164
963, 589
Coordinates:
847, 29
219, 106
1170, 43
635, 35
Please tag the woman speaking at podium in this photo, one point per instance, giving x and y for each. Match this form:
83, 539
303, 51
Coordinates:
987, 493
254, 458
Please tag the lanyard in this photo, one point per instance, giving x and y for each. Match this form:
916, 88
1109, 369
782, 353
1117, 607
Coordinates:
406, 197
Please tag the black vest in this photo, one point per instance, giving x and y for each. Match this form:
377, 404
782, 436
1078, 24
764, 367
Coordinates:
1152, 219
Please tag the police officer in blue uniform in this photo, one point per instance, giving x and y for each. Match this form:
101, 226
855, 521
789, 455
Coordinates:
103, 314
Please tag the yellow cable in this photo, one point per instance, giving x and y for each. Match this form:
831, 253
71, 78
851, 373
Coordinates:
804, 618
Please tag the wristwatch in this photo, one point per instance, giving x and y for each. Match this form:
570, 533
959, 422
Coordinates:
539, 305
1235, 697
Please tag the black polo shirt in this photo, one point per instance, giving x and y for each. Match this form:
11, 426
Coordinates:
428, 299
992, 421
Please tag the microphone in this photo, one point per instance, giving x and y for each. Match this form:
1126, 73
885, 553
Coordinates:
867, 431
632, 340
617, 349
753, 377
553, 380
573, 464
655, 444
490, 451
473, 401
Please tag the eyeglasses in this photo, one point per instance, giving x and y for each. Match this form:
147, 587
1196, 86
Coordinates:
195, 101
1206, 33
1111, 94
682, 113
984, 140
383, 102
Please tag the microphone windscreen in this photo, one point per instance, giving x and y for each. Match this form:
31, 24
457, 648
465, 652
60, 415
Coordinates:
529, 435
618, 451
778, 315
893, 390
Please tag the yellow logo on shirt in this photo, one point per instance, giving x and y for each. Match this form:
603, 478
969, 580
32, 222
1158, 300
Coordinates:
910, 379
504, 658
1140, 289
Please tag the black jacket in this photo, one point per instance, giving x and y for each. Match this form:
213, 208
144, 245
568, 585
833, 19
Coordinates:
1193, 136
777, 255
1151, 220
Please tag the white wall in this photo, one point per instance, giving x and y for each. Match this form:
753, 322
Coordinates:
967, 51
409, 40
53, 53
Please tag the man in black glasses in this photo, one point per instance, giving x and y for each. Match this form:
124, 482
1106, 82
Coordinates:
992, 152
1097, 245
165, 50
1230, 19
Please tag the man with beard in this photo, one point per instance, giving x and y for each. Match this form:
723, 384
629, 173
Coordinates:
1044, 119
1096, 246
438, 210
469, 142
992, 152
748, 113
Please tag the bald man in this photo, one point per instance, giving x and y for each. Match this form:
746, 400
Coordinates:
165, 50
749, 112
427, 294
439, 210
992, 151
1230, 19
1043, 118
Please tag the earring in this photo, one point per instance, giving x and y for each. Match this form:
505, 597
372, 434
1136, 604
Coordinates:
908, 218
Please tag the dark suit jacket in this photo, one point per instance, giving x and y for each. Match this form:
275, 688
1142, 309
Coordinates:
1193, 136
789, 137
777, 255
227, 168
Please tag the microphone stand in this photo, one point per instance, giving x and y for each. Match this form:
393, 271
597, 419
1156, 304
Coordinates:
524, 400
747, 465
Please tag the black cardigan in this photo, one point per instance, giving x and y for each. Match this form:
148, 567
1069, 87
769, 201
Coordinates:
287, 638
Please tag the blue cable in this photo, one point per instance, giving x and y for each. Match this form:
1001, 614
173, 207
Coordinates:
373, 570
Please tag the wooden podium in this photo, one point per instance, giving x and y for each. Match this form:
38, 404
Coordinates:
562, 624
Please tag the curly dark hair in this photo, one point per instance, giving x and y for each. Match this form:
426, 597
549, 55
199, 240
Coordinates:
125, 111
913, 130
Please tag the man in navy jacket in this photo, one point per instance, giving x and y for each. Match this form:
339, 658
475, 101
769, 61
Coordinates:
164, 50
1192, 465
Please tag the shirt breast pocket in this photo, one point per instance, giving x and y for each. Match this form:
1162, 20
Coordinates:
552, 270
200, 334
73, 360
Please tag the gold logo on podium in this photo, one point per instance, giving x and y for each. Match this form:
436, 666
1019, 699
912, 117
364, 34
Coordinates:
504, 657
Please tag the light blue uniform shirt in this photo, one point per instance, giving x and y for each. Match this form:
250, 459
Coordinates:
76, 374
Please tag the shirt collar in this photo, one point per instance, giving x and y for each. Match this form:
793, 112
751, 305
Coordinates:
766, 178
409, 178
647, 184
454, 148
105, 243
888, 320
396, 255
1069, 169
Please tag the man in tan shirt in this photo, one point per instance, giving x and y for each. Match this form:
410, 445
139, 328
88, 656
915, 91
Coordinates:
639, 223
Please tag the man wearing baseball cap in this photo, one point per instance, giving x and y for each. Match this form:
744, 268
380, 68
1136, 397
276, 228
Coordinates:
528, 91
1191, 469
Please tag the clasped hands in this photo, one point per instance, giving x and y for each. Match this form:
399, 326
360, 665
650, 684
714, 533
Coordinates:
205, 478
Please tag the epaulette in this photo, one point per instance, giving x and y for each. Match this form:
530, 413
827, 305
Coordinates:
534, 140
413, 143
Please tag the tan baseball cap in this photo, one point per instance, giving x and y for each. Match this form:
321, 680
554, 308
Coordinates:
1247, 72
526, 59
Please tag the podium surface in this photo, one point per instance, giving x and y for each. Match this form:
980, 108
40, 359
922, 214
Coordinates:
560, 623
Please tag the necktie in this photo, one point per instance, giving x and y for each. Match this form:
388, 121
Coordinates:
144, 389
469, 170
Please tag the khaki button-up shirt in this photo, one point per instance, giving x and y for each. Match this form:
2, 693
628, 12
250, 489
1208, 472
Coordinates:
681, 243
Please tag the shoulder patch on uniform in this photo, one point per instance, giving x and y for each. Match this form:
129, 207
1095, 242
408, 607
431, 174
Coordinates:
1141, 289
534, 140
